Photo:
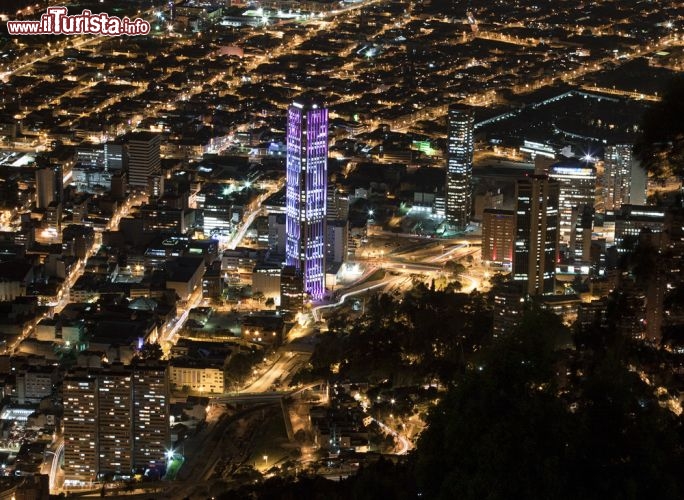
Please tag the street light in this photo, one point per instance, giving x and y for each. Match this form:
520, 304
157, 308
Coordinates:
266, 460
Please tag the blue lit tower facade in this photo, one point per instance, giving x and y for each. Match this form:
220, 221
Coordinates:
307, 179
459, 171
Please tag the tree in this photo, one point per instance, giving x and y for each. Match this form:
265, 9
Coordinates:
454, 267
660, 148
513, 427
269, 302
151, 351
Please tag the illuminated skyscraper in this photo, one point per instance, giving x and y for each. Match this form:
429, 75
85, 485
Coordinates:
144, 160
150, 414
577, 183
536, 238
307, 178
115, 436
80, 428
459, 171
498, 233
116, 420
624, 181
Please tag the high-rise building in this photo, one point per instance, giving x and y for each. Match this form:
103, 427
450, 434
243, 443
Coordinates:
337, 204
507, 309
337, 240
307, 179
482, 201
617, 167
80, 428
459, 171
144, 158
577, 183
536, 238
580, 238
116, 420
155, 186
291, 294
119, 186
53, 219
630, 220
48, 185
115, 424
624, 181
115, 155
498, 233
150, 414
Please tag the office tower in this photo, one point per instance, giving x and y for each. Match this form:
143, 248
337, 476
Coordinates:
459, 171
291, 294
266, 279
53, 219
276, 232
507, 309
542, 163
624, 181
577, 184
630, 220
218, 214
80, 428
337, 241
157, 218
150, 414
114, 436
307, 178
337, 204
116, 420
483, 201
638, 184
144, 158
617, 165
115, 155
536, 238
498, 233
580, 238
48, 186
155, 186
119, 186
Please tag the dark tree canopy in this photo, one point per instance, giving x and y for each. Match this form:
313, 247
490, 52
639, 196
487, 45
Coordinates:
661, 145
536, 423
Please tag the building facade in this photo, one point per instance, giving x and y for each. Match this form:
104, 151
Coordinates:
80, 429
536, 237
306, 191
291, 293
48, 186
577, 183
630, 220
116, 421
459, 171
144, 158
624, 181
498, 233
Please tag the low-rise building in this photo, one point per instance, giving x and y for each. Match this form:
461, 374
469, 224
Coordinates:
196, 375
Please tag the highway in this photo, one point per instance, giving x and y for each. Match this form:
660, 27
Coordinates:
51, 466
363, 289
286, 363
405, 444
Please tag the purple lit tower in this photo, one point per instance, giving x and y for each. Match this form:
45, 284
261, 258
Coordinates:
307, 180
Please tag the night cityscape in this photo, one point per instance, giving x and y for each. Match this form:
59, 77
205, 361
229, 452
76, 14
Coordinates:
341, 249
